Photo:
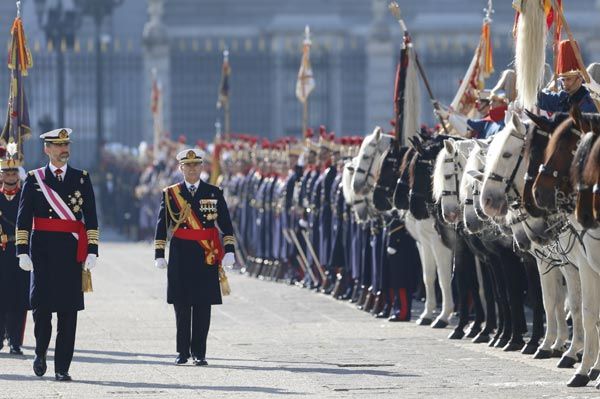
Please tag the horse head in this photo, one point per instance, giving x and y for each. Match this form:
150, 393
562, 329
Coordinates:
504, 170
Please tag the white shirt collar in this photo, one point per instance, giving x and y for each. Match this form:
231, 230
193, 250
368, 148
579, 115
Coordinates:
53, 169
188, 185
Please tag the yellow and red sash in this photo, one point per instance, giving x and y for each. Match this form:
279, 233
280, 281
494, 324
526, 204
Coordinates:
208, 238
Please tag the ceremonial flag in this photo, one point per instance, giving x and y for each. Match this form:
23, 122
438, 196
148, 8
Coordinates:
480, 68
223, 99
399, 86
17, 126
406, 93
306, 81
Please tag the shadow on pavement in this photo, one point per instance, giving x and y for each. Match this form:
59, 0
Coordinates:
144, 385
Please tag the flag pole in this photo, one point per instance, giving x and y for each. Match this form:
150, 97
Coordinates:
223, 98
227, 121
304, 115
305, 83
305, 102
395, 10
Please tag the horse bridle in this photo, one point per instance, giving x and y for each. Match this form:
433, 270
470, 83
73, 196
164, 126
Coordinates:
545, 170
447, 193
372, 160
429, 164
510, 181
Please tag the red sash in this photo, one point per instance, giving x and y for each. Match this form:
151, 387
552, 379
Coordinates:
207, 238
65, 226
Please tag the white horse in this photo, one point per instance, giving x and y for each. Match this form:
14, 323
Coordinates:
447, 174
368, 161
503, 180
436, 261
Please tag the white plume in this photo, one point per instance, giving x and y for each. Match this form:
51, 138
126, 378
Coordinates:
11, 148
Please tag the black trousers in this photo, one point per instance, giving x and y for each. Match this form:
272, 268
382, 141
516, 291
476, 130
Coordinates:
65, 337
193, 322
14, 325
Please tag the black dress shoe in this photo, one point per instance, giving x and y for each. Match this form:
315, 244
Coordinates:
16, 350
181, 359
39, 365
200, 362
62, 377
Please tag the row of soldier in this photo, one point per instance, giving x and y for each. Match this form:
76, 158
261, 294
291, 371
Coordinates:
296, 224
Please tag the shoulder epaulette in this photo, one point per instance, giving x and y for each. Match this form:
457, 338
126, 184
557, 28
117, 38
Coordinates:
30, 173
170, 187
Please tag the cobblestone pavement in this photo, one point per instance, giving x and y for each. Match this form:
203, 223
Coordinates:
267, 340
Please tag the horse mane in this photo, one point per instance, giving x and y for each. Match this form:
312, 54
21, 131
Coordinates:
580, 157
592, 166
411, 169
474, 163
406, 160
497, 145
535, 144
558, 136
588, 122
438, 175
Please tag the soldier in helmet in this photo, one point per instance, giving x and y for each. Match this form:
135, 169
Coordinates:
571, 81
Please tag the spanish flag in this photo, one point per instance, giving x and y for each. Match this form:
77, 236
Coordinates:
17, 126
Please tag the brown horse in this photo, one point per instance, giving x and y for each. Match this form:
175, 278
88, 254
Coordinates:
584, 211
553, 186
591, 177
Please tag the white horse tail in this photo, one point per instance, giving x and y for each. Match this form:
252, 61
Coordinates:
530, 52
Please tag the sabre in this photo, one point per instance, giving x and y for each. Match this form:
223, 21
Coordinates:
240, 243
286, 235
395, 10
304, 262
314, 255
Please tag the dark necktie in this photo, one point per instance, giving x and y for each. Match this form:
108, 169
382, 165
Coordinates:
58, 174
192, 190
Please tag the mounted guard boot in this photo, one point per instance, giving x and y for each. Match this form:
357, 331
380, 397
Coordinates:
404, 312
389, 305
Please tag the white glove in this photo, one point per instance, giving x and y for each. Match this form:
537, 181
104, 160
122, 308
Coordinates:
90, 261
391, 251
442, 112
25, 262
228, 260
303, 223
160, 263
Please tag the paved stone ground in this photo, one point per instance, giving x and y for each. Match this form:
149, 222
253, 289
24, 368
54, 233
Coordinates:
267, 340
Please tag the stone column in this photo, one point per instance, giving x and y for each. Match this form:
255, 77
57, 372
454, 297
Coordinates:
380, 71
156, 57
